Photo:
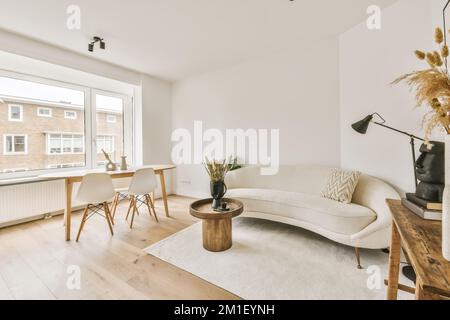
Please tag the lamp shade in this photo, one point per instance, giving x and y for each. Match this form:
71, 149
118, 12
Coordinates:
363, 125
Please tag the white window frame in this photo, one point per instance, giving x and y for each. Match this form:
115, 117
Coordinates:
49, 115
111, 118
131, 126
10, 106
70, 111
14, 153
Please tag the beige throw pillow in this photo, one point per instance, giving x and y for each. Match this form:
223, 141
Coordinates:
341, 185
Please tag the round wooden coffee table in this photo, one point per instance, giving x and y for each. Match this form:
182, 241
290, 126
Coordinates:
217, 226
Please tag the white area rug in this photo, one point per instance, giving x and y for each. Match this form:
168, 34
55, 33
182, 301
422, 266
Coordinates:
275, 261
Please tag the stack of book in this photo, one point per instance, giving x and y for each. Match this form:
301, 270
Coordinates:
425, 210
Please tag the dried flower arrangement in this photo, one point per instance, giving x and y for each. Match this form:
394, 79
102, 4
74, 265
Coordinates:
218, 170
432, 87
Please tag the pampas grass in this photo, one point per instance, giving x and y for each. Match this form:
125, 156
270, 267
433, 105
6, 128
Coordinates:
432, 87
444, 51
420, 55
217, 170
439, 36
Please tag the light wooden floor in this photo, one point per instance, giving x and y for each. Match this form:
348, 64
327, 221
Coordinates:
34, 259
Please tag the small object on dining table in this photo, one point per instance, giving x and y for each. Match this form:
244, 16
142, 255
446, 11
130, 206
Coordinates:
110, 166
124, 165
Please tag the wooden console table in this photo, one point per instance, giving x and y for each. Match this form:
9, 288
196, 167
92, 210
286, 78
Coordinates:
422, 242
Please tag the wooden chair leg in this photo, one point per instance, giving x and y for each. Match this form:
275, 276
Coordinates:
108, 214
108, 217
129, 207
115, 204
110, 209
135, 203
148, 204
358, 258
83, 221
135, 209
151, 205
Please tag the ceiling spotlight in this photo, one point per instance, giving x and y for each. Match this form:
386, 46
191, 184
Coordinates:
95, 40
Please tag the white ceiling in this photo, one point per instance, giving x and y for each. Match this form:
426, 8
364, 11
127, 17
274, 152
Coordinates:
174, 39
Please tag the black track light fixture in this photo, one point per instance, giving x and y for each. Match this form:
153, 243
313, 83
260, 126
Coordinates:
96, 39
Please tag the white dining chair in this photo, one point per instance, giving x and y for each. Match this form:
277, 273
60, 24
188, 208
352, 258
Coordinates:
96, 190
142, 186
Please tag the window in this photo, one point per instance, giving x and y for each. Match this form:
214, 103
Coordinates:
105, 143
110, 137
14, 144
60, 143
111, 118
72, 115
60, 130
15, 113
44, 112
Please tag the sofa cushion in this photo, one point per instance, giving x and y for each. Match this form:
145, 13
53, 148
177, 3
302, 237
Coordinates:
341, 185
328, 214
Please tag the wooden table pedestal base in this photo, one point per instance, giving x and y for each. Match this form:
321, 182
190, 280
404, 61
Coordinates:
217, 235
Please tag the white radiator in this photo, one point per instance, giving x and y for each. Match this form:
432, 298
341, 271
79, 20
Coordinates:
23, 201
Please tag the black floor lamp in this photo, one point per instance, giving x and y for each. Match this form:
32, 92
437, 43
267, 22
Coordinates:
361, 127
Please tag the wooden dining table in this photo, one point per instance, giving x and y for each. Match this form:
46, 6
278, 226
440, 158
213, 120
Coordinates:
72, 177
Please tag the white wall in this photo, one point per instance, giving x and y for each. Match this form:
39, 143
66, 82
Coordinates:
369, 62
295, 91
157, 123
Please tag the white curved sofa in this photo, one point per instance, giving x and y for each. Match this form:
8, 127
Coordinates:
293, 196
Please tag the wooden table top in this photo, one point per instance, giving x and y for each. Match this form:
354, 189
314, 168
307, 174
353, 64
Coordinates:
422, 240
82, 173
202, 209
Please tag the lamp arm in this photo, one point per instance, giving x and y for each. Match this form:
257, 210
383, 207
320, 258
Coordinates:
413, 149
399, 131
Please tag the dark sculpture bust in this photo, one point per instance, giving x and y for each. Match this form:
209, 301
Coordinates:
430, 169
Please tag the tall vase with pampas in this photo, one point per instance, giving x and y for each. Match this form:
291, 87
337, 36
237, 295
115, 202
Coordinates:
432, 88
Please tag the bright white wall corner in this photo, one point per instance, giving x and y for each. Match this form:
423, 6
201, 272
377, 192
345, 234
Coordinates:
369, 62
296, 91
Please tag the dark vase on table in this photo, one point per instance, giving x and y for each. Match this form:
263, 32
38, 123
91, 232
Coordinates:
218, 191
